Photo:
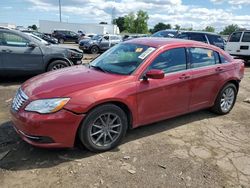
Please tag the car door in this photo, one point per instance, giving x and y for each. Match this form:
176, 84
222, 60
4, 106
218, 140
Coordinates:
206, 77
105, 43
245, 44
233, 44
216, 40
167, 97
17, 55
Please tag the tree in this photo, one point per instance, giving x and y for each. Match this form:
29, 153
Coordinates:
228, 30
129, 22
136, 23
141, 22
161, 26
120, 22
209, 29
34, 27
177, 27
103, 23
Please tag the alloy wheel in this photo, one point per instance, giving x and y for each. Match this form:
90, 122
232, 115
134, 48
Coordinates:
106, 129
227, 99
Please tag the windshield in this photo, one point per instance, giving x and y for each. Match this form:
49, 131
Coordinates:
167, 34
37, 38
123, 58
96, 37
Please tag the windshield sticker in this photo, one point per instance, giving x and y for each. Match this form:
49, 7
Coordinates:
146, 53
138, 50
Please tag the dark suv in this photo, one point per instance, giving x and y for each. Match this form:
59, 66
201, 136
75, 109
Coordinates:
206, 37
65, 36
28, 54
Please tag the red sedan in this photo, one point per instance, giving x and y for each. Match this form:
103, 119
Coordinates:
137, 82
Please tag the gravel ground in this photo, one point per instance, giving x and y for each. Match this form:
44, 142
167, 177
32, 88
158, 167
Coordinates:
195, 150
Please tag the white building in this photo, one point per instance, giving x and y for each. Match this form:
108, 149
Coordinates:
8, 25
46, 26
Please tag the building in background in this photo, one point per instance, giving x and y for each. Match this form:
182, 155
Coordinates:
8, 25
47, 26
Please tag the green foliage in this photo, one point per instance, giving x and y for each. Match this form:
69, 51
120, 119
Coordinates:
209, 29
177, 27
34, 27
161, 26
228, 30
120, 23
136, 23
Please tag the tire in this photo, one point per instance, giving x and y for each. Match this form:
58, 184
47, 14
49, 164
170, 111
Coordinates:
94, 50
96, 135
57, 64
61, 41
228, 94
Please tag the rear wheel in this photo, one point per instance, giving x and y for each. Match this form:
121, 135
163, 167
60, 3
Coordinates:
225, 99
57, 64
103, 128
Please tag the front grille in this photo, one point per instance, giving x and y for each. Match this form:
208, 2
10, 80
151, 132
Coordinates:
19, 100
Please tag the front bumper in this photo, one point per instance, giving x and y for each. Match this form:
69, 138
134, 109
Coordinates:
57, 130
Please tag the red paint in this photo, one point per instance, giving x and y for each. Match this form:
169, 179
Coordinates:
148, 100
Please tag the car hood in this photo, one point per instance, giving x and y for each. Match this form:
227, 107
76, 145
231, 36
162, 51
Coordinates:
64, 48
64, 82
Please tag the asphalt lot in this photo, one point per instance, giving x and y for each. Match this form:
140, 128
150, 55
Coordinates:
195, 150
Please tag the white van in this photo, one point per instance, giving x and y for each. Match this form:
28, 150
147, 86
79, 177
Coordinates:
239, 44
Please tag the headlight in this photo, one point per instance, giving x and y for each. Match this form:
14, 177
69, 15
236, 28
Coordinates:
45, 106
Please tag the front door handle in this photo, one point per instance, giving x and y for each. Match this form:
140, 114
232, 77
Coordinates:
184, 76
219, 69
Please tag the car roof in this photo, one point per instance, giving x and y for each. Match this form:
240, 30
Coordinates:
199, 32
159, 42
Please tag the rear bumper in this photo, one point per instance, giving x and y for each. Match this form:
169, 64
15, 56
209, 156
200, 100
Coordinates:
57, 130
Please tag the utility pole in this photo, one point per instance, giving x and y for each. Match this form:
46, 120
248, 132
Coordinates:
60, 11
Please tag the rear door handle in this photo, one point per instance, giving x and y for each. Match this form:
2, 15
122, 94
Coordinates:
184, 76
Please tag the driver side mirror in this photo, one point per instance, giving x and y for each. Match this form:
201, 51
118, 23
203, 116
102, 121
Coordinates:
32, 45
154, 74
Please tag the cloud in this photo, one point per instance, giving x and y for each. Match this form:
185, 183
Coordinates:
167, 11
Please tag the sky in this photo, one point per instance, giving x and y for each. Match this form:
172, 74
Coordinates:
186, 13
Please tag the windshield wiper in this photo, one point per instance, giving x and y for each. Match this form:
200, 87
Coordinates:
98, 68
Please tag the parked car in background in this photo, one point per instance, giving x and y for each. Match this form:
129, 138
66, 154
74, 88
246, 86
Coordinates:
22, 53
206, 37
239, 44
65, 36
135, 83
43, 36
100, 43
168, 33
85, 37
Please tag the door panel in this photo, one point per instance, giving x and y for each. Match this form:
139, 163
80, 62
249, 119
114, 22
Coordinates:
16, 55
164, 98
206, 77
167, 97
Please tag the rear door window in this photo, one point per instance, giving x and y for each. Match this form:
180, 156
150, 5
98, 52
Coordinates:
170, 61
183, 36
214, 39
235, 37
246, 37
201, 57
197, 37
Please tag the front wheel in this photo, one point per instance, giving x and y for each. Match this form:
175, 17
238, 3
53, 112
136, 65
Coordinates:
57, 64
225, 99
103, 128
